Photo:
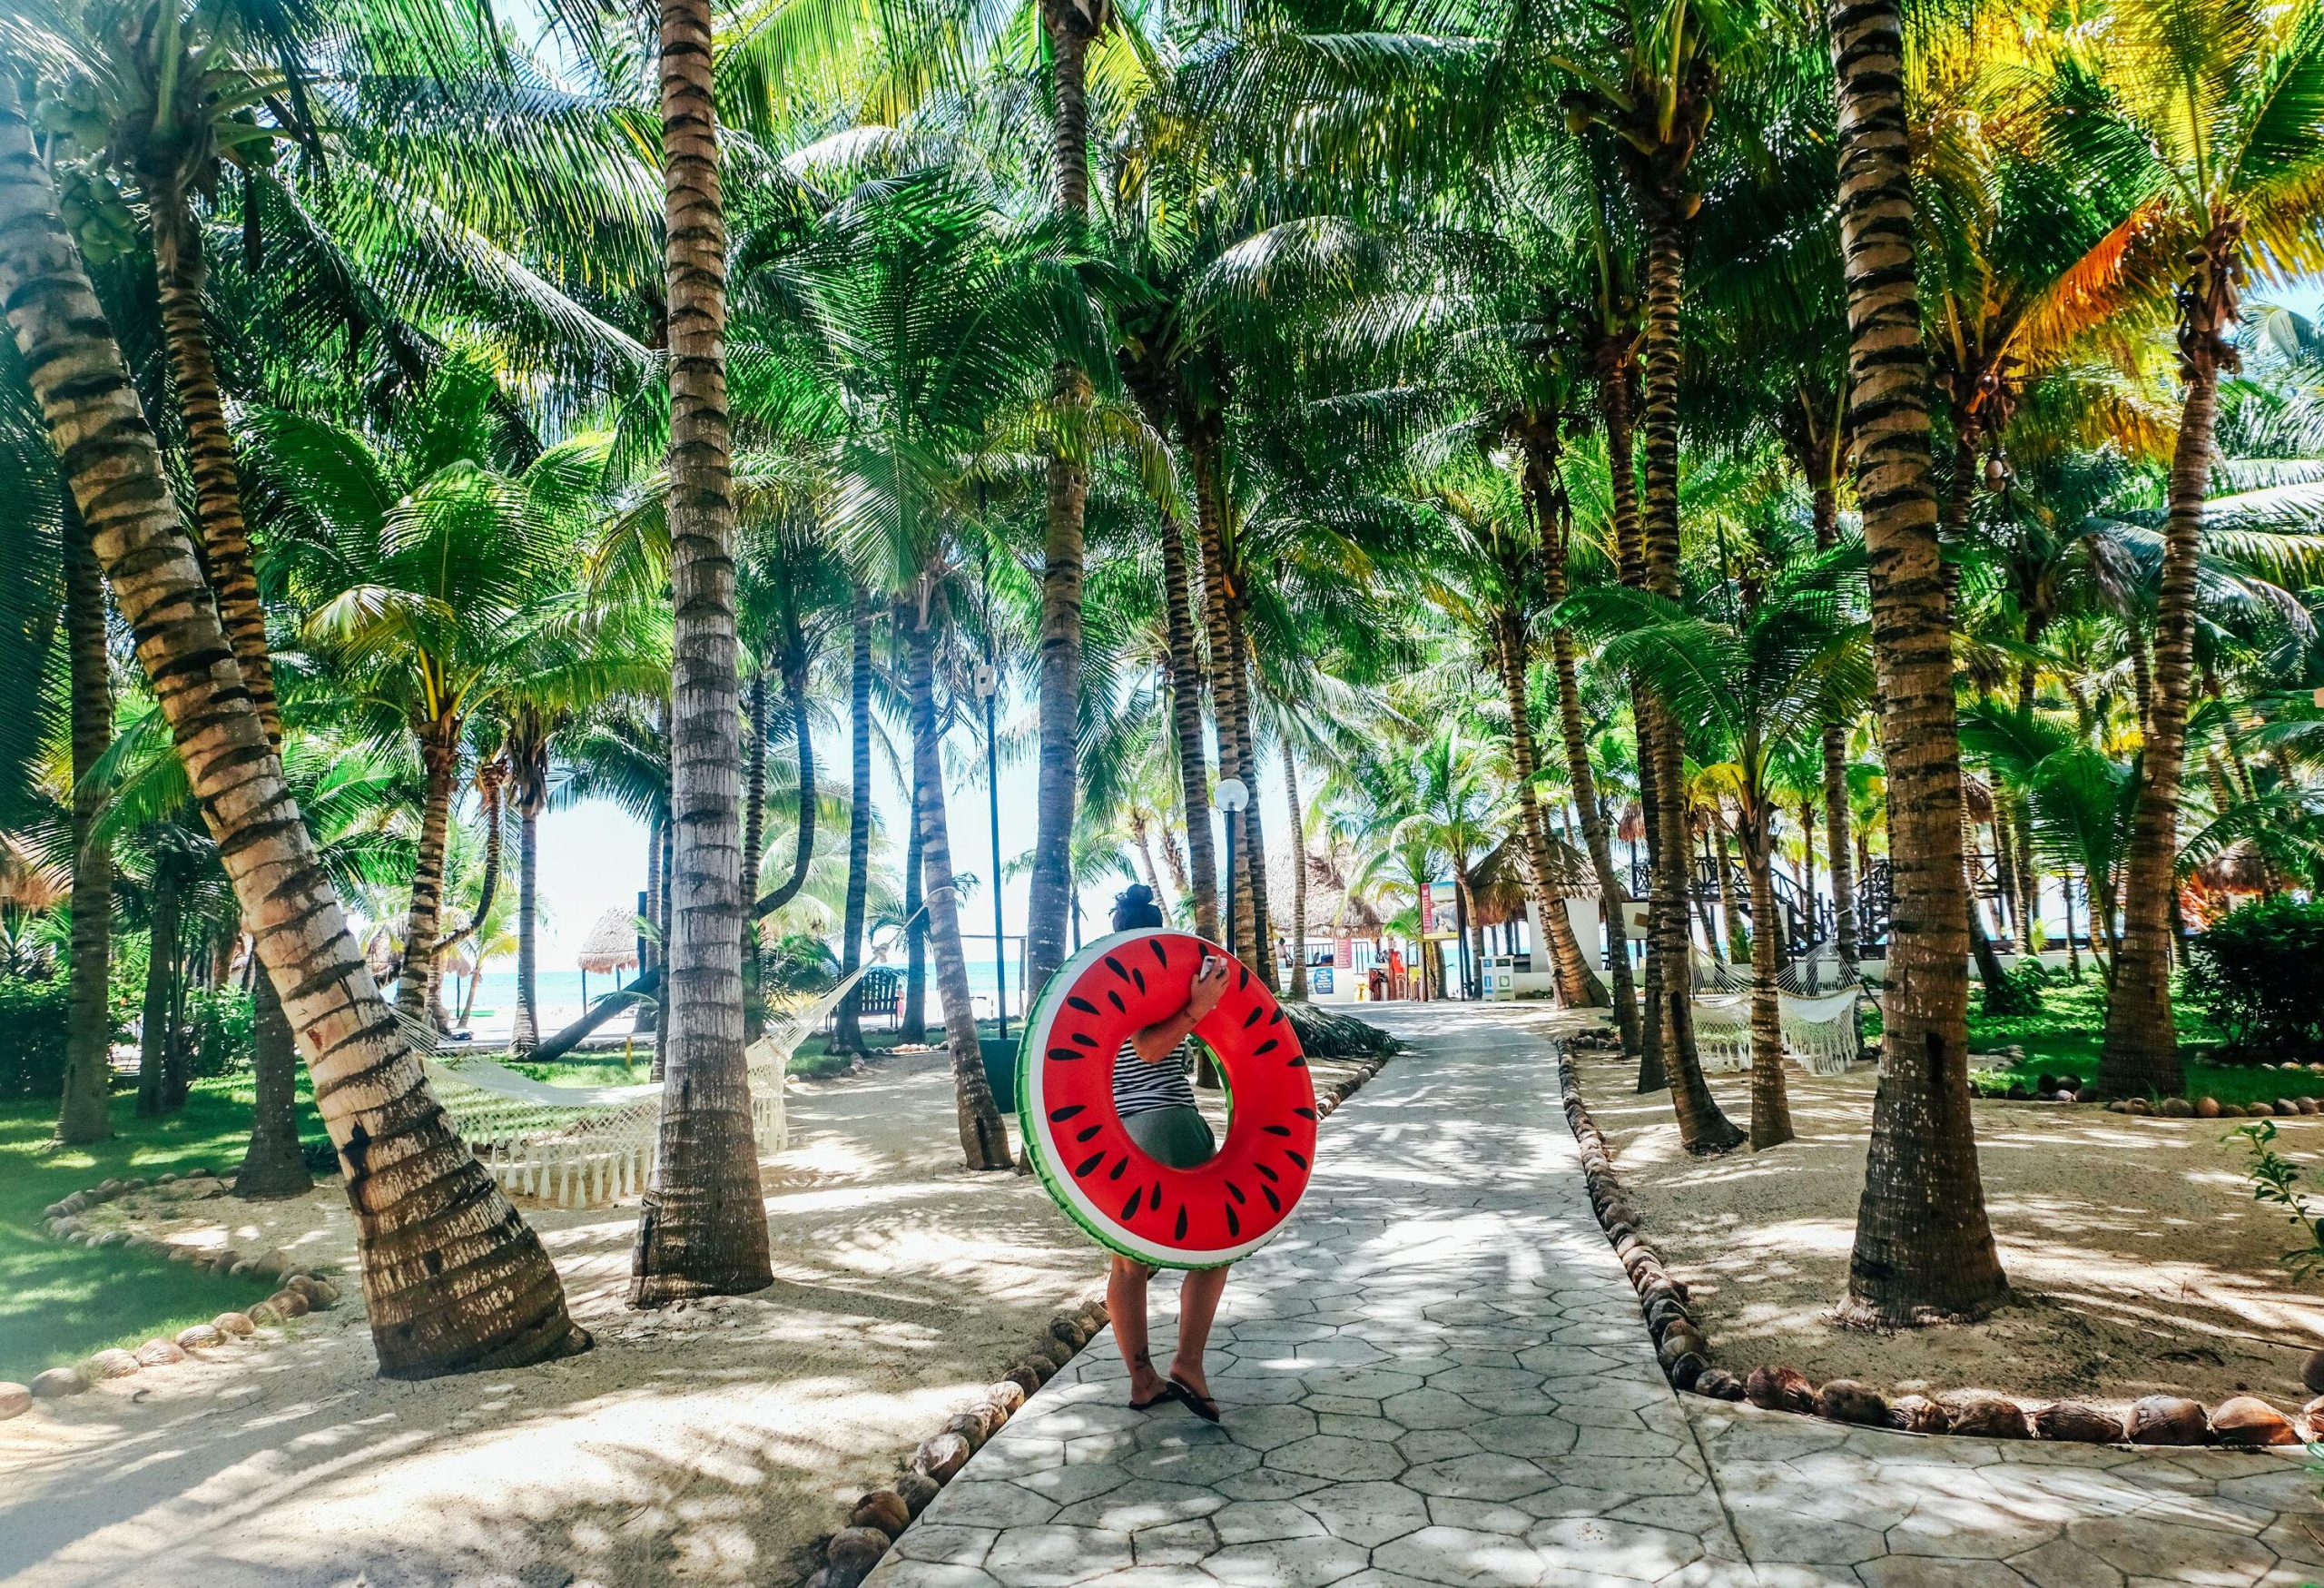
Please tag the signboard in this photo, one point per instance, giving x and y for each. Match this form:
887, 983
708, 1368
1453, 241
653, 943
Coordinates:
1319, 980
1634, 920
1442, 917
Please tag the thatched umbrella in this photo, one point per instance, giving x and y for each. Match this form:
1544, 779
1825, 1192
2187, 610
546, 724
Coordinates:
610, 948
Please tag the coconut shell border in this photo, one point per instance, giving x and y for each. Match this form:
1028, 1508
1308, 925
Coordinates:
2243, 1422
301, 1293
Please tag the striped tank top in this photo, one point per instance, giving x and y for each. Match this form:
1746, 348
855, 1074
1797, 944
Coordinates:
1141, 1087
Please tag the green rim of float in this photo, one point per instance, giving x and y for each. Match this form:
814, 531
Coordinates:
1199, 1218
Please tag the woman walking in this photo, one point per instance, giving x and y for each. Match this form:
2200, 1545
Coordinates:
1155, 1097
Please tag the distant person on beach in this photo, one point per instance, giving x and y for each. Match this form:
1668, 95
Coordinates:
1155, 1096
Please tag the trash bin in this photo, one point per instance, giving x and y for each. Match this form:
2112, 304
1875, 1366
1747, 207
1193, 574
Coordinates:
1001, 1070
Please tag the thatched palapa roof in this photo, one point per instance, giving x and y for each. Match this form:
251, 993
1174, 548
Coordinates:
612, 943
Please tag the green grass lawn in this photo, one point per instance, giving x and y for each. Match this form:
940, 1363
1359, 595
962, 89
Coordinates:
60, 1303
2062, 1038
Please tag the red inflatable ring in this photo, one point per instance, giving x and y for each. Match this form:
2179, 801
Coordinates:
1199, 1218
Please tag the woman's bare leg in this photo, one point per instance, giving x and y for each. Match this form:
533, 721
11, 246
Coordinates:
1126, 1302
1197, 1306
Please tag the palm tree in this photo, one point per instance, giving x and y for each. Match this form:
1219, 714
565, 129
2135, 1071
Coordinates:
909, 333
703, 1230
437, 574
2211, 114
1655, 97
1070, 27
1907, 1266
848, 1038
1788, 655
86, 1113
423, 1206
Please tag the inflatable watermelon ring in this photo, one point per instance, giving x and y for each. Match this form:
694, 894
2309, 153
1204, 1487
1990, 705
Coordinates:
1200, 1218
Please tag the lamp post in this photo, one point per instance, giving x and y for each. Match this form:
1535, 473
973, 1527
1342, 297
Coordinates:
989, 690
1232, 795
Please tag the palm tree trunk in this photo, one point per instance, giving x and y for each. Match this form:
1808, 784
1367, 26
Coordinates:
665, 876
2142, 1045
2143, 662
914, 1025
1770, 1105
1652, 1076
527, 1032
2005, 869
439, 753
649, 958
1730, 907
86, 1112
753, 849
1617, 367
424, 1208
274, 1164
2073, 950
1578, 983
1992, 974
1840, 858
1173, 866
702, 1229
849, 1037
154, 1035
181, 274
1611, 895
1703, 1128
794, 693
1255, 836
1838, 850
1050, 897
1923, 1248
1807, 869
1225, 692
1298, 831
984, 1139
1186, 721
1141, 850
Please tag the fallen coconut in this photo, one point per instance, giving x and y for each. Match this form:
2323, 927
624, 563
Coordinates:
57, 1383
2076, 1423
2248, 1423
1780, 1389
2166, 1419
1982, 1414
883, 1509
917, 1489
1844, 1400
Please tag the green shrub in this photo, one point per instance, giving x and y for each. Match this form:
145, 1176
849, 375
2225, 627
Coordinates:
2255, 970
220, 1019
31, 1036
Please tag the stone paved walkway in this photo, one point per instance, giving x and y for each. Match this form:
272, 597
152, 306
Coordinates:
1438, 1377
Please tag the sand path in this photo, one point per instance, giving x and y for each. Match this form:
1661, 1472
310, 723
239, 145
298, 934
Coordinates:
709, 1445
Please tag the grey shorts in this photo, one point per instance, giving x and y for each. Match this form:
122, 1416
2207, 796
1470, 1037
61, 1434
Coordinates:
1177, 1136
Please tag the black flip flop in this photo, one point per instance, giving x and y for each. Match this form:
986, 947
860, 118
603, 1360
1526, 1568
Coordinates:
1166, 1395
1194, 1400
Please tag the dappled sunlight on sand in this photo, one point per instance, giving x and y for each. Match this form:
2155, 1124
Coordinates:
2140, 1261
710, 1442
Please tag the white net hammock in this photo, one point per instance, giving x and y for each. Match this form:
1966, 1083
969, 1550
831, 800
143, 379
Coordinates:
590, 1145
1819, 1033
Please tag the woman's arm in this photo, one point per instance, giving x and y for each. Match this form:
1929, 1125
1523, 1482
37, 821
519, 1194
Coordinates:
1160, 1040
